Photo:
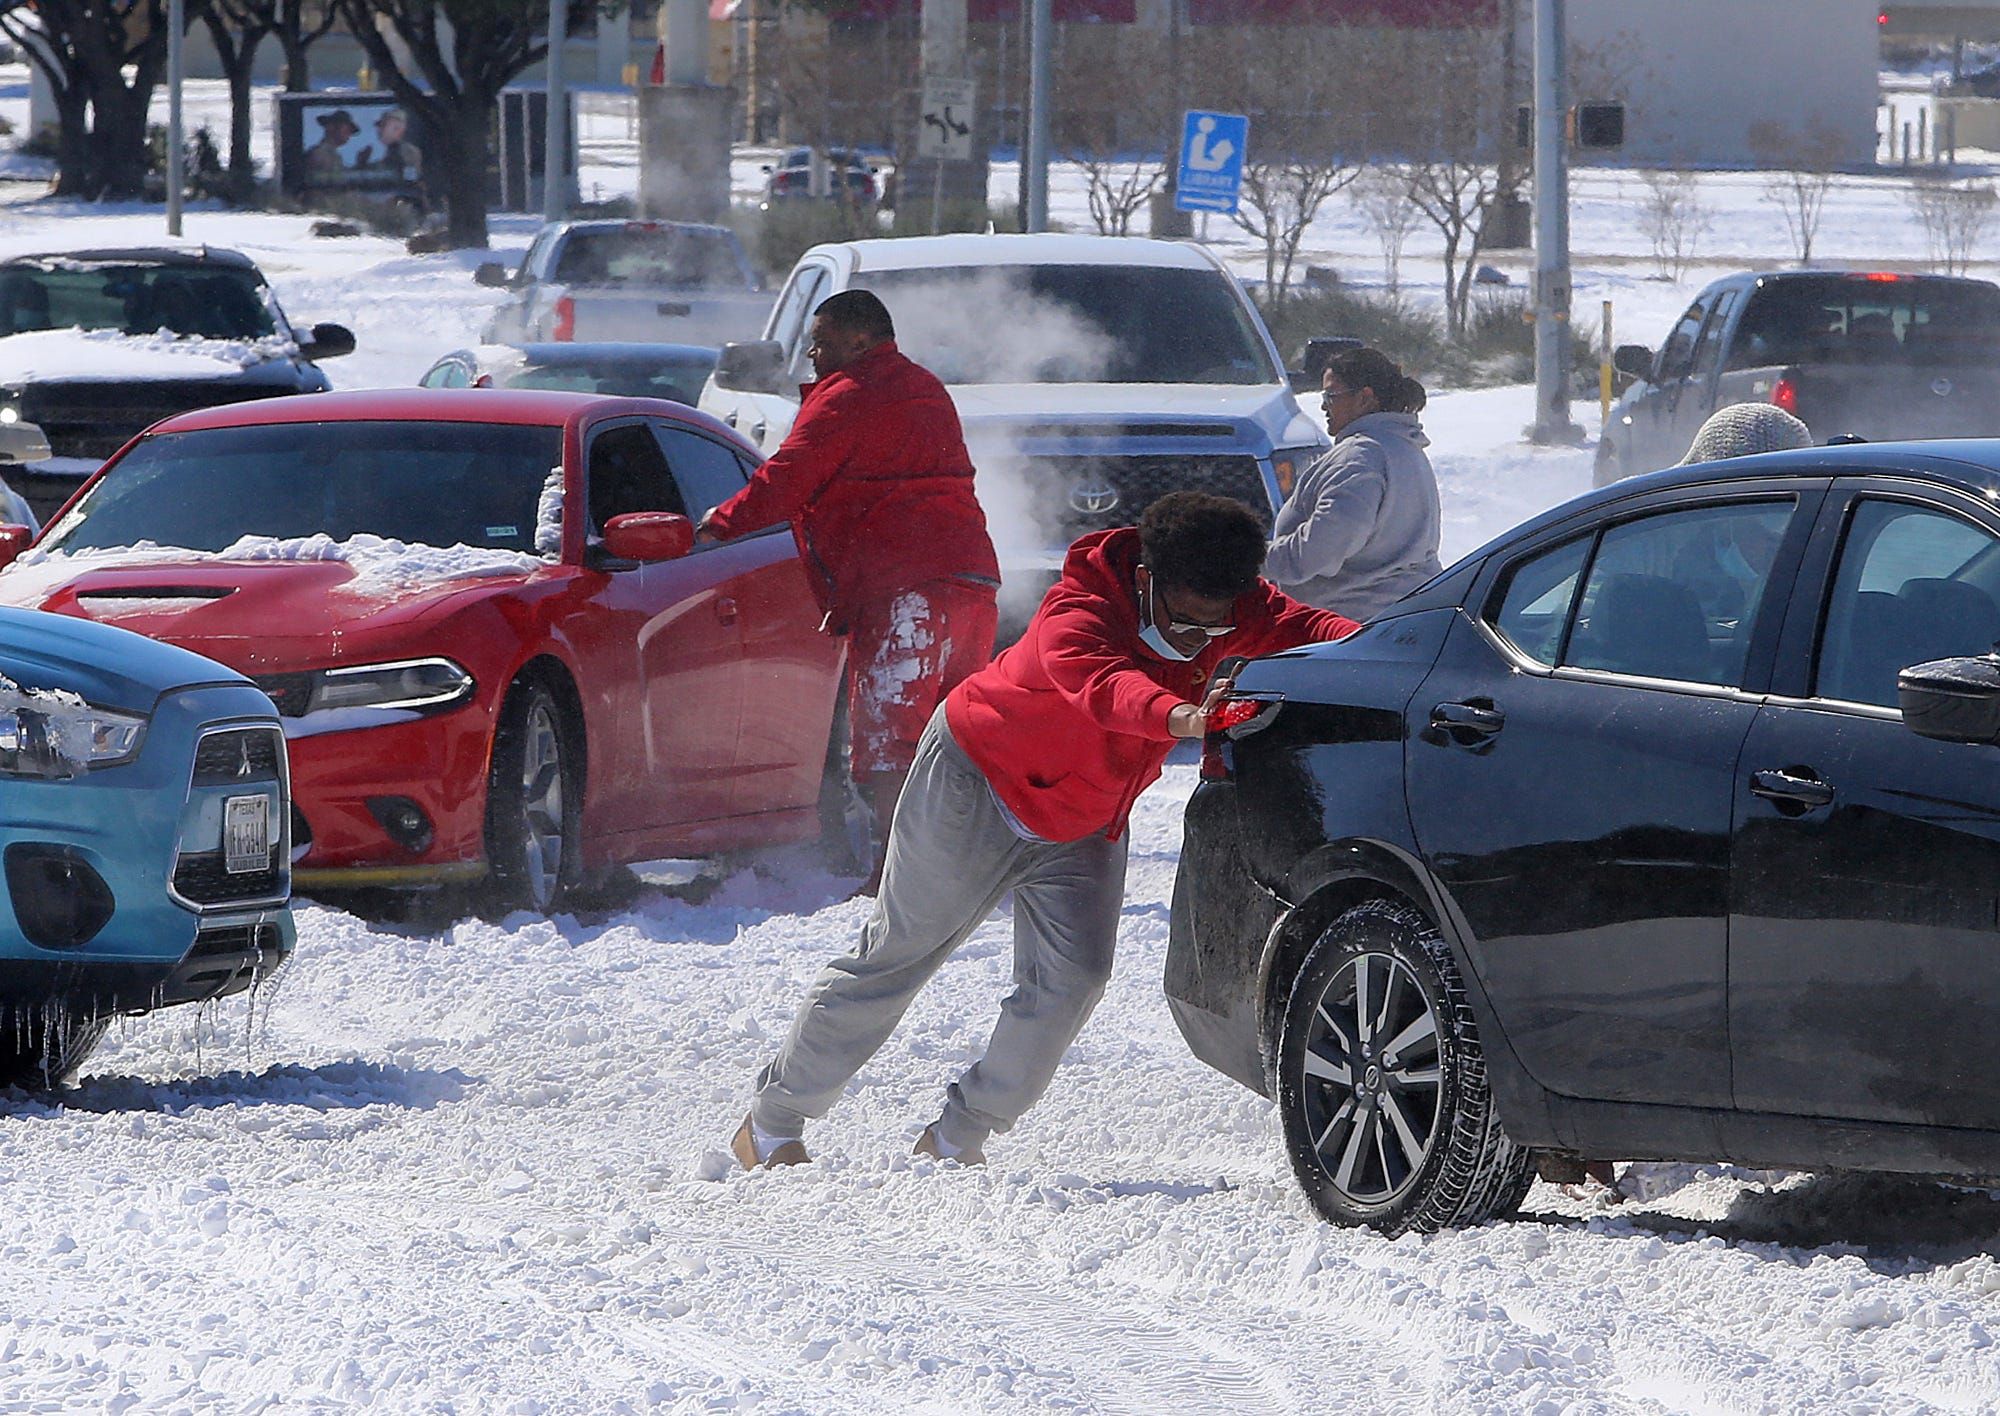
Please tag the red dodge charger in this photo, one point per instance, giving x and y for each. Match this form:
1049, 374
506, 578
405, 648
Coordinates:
483, 619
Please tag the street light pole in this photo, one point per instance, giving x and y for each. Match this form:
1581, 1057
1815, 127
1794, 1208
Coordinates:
176, 147
555, 181
1552, 274
1041, 33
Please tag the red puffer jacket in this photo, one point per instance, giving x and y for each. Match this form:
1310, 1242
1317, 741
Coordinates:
875, 479
1070, 723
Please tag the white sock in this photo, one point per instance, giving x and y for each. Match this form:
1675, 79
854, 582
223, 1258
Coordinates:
765, 1142
945, 1147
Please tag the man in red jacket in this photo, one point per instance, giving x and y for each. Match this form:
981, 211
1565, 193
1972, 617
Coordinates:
877, 484
1023, 782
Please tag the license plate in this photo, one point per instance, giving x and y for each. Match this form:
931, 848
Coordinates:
246, 834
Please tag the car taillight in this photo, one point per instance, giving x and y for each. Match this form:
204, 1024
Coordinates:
1233, 718
565, 329
1785, 393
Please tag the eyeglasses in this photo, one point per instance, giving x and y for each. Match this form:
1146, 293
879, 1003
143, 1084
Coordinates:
1327, 395
1175, 626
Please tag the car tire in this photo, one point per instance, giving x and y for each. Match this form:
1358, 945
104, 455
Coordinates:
41, 1048
533, 812
1382, 1084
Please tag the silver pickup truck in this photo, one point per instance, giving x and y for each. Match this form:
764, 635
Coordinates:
622, 281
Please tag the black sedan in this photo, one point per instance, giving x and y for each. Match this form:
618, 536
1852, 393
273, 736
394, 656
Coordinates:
1665, 827
675, 372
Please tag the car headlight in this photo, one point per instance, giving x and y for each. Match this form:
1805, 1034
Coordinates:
421, 685
1288, 464
65, 738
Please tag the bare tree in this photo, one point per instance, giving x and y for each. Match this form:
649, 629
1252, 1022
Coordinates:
1954, 219
1382, 195
1803, 163
1674, 218
1454, 194
1281, 196
236, 28
1109, 121
298, 25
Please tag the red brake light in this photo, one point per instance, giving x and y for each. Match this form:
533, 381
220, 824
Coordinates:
1785, 393
1232, 718
565, 329
1882, 276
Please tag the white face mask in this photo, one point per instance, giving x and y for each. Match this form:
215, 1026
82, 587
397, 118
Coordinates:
1151, 635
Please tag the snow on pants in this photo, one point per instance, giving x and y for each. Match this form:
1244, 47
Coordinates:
907, 653
951, 858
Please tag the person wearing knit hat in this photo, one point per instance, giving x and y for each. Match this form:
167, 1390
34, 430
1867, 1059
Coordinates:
1742, 429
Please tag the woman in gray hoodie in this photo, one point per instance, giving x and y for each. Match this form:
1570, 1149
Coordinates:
1360, 529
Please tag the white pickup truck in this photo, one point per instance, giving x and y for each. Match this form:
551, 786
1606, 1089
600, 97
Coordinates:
622, 281
1092, 373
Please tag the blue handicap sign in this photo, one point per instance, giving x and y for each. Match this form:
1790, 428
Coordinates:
1211, 167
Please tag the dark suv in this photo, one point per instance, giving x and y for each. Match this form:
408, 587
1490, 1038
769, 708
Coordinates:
96, 346
1614, 840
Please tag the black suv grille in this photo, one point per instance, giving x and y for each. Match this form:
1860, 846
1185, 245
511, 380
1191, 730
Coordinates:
243, 756
204, 879
1080, 494
95, 419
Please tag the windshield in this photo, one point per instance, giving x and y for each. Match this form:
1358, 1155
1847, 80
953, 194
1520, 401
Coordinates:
1074, 324
1869, 320
679, 380
214, 302
436, 484
674, 256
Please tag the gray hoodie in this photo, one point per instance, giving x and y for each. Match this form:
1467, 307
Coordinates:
1360, 529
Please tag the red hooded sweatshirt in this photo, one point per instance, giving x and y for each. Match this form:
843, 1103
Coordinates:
1070, 723
877, 484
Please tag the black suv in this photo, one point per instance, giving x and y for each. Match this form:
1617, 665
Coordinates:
96, 346
1638, 834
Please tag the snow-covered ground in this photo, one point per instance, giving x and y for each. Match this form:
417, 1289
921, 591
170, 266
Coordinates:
478, 1167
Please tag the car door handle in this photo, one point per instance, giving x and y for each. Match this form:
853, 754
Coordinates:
1474, 719
725, 610
1793, 786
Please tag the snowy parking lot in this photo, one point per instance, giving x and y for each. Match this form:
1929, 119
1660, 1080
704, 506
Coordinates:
466, 1166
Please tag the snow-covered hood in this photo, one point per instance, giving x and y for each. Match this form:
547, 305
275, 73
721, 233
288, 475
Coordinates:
1266, 415
265, 605
111, 356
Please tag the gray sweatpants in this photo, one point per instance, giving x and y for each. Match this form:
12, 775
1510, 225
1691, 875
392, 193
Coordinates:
951, 857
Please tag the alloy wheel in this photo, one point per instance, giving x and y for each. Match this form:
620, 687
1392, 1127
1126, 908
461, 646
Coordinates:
542, 842
1371, 1080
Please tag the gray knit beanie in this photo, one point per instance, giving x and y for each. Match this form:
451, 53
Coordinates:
1745, 428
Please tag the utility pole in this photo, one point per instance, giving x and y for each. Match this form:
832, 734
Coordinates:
176, 146
555, 127
1041, 39
1552, 294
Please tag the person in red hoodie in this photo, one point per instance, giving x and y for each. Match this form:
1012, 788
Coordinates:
877, 484
1023, 782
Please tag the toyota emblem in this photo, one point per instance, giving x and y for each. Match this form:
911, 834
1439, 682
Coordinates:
1941, 387
1094, 501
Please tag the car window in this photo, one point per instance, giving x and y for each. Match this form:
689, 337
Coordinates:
708, 473
787, 315
212, 302
448, 375
649, 253
810, 296
628, 472
1868, 319
1675, 595
1914, 583
1708, 350
1535, 599
1678, 352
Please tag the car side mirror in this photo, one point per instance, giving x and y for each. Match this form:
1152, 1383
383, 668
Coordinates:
13, 541
23, 442
648, 536
490, 273
1953, 700
752, 366
329, 341
1635, 360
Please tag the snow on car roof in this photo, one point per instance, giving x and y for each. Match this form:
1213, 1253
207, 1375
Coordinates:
1049, 248
192, 253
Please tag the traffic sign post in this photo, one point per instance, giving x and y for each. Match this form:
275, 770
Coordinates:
944, 127
1210, 175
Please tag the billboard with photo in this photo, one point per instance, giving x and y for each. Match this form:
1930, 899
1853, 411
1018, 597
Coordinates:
350, 141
